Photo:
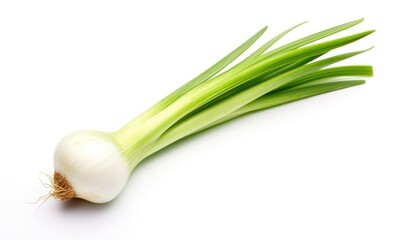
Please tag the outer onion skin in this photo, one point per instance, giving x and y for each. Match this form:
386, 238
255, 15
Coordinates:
92, 164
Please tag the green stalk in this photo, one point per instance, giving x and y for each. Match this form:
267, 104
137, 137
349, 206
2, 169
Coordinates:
215, 87
227, 106
212, 97
216, 68
134, 136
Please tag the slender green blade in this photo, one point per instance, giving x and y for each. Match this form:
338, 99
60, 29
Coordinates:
342, 71
217, 67
207, 74
287, 96
314, 37
270, 43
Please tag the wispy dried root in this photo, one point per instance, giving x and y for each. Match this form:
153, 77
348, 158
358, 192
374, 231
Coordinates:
62, 189
59, 187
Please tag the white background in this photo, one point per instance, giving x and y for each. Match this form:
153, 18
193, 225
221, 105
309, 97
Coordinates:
329, 167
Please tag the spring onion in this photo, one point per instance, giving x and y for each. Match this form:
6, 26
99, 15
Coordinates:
95, 166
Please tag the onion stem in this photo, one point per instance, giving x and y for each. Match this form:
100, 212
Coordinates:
96, 166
